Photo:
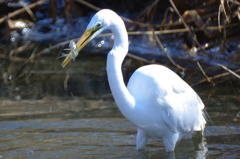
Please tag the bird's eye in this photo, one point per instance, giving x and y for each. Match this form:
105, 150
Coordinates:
99, 24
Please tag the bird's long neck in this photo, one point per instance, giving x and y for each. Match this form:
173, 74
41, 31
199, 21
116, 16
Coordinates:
122, 96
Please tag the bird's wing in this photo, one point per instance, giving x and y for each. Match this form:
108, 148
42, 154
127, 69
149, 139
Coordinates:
166, 98
182, 108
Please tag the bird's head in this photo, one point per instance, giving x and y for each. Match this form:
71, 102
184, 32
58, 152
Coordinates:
99, 22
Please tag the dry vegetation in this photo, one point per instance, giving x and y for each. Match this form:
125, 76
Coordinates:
198, 22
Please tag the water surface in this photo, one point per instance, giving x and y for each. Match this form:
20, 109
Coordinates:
71, 114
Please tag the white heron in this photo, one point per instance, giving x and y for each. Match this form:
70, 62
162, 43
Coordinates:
156, 99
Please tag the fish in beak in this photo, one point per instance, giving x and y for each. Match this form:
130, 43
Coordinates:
76, 47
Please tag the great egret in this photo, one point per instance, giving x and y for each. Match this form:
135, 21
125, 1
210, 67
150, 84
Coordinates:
156, 99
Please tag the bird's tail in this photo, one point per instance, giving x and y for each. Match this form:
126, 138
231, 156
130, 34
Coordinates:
207, 117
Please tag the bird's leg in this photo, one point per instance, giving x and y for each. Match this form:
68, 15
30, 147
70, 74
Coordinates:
170, 155
141, 139
170, 141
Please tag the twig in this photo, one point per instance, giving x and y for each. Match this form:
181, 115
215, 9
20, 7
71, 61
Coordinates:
143, 24
148, 9
13, 14
125, 19
215, 77
132, 33
235, 2
165, 51
224, 11
16, 59
230, 71
140, 59
170, 31
185, 24
219, 15
47, 50
65, 83
204, 73
28, 10
174, 31
98, 9
30, 59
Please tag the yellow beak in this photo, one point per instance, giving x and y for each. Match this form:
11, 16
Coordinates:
80, 44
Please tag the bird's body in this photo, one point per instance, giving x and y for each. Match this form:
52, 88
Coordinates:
156, 99
173, 108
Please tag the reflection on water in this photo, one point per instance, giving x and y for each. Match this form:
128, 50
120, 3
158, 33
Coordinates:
71, 114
